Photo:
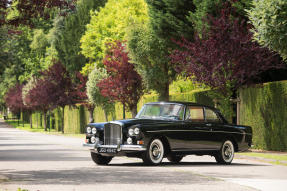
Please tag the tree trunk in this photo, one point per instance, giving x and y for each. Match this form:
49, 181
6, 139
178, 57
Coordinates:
134, 111
164, 93
63, 119
45, 120
106, 115
30, 119
91, 114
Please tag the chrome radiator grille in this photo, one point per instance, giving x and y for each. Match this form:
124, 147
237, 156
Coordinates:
112, 134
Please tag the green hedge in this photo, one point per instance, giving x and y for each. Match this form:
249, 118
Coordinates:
264, 108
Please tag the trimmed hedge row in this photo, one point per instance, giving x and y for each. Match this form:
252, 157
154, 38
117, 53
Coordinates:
264, 108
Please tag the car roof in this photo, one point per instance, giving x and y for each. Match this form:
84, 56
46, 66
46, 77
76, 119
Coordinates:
182, 103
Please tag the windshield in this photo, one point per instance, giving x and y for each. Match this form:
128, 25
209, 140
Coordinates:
160, 111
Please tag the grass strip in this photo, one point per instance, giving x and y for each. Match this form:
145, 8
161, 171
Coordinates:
273, 158
26, 127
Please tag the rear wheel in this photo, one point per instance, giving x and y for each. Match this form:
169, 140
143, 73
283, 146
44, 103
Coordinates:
174, 158
154, 153
226, 153
100, 160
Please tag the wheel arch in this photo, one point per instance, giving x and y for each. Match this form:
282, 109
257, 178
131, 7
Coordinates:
233, 140
164, 141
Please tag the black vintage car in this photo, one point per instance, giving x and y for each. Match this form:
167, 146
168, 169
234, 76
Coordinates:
168, 129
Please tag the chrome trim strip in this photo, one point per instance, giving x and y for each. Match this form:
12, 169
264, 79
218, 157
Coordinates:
89, 145
120, 148
207, 131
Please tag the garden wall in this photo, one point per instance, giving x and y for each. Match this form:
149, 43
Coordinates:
264, 107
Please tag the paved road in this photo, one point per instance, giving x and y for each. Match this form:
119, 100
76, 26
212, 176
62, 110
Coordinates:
36, 161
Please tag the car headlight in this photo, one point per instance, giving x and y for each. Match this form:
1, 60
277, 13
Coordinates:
129, 141
93, 139
94, 130
131, 132
89, 130
136, 131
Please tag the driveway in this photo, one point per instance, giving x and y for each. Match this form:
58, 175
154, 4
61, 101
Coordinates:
36, 161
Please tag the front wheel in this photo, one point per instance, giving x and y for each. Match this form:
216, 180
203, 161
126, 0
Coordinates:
100, 160
154, 153
226, 153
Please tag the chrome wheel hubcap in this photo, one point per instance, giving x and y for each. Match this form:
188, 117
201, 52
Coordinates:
156, 152
228, 151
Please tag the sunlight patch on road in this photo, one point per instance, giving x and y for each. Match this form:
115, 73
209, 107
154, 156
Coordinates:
261, 184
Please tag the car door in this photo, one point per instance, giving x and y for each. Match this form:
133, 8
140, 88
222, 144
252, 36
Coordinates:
196, 131
217, 131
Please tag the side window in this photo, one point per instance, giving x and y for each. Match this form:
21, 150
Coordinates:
211, 116
194, 113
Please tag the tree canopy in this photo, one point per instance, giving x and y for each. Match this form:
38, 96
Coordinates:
226, 58
111, 23
270, 27
123, 83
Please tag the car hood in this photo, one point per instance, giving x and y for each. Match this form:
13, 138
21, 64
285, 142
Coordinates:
129, 122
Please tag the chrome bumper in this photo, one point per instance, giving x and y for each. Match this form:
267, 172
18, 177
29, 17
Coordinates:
118, 147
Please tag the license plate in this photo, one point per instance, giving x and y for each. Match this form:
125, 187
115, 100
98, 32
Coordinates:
107, 150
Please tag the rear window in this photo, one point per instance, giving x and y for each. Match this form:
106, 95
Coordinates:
211, 116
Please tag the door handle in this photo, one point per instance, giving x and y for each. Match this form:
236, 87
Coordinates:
208, 124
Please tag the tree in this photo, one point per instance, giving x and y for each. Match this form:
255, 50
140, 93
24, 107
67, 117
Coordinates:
80, 94
225, 57
123, 84
70, 33
93, 91
53, 89
149, 55
25, 91
13, 99
26, 11
150, 44
62, 86
109, 24
269, 20
40, 97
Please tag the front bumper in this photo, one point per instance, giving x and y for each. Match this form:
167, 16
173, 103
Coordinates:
119, 148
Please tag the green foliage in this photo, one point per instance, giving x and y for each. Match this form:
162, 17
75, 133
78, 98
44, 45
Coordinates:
269, 18
150, 43
68, 32
203, 8
150, 56
39, 42
183, 85
75, 119
109, 24
169, 19
264, 109
211, 7
93, 91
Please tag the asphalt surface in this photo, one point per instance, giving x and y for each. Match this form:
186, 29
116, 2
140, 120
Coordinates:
37, 161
